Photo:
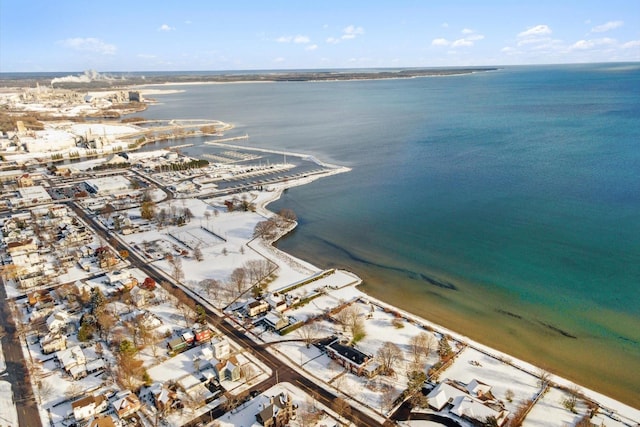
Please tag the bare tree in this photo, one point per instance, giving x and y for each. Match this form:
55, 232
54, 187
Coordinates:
188, 215
420, 346
265, 229
238, 279
106, 322
350, 317
197, 253
309, 332
247, 371
155, 337
73, 390
207, 216
345, 316
388, 355
544, 378
187, 313
176, 268
387, 397
286, 217
570, 402
257, 269
341, 407
46, 389
213, 288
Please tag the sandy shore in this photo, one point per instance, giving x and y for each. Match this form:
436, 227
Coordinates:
510, 331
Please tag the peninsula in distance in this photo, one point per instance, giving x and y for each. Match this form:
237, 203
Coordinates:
93, 80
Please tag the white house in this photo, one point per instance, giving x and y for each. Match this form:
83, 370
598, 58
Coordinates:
57, 321
53, 342
127, 405
471, 409
89, 406
73, 361
221, 348
442, 395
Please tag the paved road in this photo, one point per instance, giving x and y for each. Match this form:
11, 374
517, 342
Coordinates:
285, 373
17, 372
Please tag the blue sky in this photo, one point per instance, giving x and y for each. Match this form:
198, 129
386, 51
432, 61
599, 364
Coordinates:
115, 35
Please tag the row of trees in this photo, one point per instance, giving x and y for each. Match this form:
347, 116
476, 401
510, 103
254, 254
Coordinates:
268, 229
252, 274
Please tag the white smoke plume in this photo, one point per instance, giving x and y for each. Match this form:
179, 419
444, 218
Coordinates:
87, 77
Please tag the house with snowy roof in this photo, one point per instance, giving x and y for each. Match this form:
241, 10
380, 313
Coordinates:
57, 321
126, 405
163, 397
221, 348
278, 412
480, 390
73, 361
53, 342
443, 394
102, 421
89, 406
351, 358
471, 409
275, 321
228, 370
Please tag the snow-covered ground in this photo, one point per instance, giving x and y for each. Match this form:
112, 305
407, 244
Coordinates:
245, 415
8, 414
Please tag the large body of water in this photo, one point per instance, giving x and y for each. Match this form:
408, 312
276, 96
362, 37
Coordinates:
504, 205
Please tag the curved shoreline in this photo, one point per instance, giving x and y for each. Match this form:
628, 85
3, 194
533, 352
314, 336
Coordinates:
532, 367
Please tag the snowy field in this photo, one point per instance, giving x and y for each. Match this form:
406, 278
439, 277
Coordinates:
491, 371
196, 237
549, 412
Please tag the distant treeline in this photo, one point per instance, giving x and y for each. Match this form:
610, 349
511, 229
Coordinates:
193, 164
284, 76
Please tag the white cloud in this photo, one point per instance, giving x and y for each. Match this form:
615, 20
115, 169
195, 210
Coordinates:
311, 47
348, 33
351, 32
462, 43
611, 25
470, 37
474, 37
538, 30
590, 44
534, 40
89, 44
301, 39
631, 44
166, 27
440, 42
